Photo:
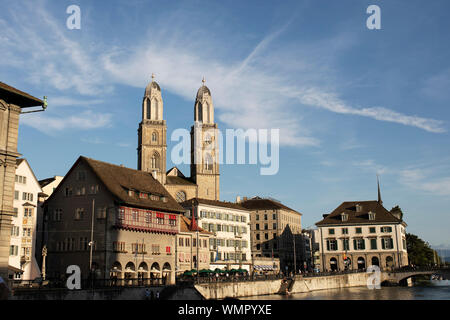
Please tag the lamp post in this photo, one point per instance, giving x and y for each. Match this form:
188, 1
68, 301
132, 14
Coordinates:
44, 256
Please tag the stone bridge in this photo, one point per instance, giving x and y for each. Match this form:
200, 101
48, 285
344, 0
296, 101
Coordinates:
401, 276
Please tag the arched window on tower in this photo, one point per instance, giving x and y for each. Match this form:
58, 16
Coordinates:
147, 102
154, 137
155, 108
199, 112
208, 116
155, 161
208, 162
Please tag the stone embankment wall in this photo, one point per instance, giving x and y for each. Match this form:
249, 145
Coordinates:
223, 290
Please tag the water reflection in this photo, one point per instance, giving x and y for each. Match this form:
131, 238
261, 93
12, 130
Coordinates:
423, 292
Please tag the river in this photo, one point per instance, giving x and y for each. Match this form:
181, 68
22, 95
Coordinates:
424, 290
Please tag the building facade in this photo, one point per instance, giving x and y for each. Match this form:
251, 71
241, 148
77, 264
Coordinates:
12, 101
276, 230
126, 216
192, 246
359, 234
152, 147
23, 232
229, 246
48, 185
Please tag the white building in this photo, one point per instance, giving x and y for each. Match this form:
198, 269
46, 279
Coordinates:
230, 224
23, 232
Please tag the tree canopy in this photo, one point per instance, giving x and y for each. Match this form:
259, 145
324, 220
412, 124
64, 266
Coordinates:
419, 251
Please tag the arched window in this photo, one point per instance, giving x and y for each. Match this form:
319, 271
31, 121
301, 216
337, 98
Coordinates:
208, 116
154, 137
180, 196
333, 264
208, 162
199, 112
155, 161
147, 102
361, 263
155, 108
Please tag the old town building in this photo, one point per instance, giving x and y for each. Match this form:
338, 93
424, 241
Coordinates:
23, 232
276, 231
12, 101
192, 246
358, 234
126, 216
152, 146
229, 247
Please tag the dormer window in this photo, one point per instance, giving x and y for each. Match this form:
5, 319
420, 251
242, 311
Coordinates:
344, 216
372, 216
358, 208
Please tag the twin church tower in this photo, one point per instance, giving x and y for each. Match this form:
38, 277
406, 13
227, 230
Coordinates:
152, 146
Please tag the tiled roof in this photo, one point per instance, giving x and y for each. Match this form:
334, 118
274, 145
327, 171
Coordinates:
118, 180
258, 203
185, 224
217, 203
20, 98
381, 214
179, 180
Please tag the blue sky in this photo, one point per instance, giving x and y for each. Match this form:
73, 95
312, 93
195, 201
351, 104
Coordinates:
350, 102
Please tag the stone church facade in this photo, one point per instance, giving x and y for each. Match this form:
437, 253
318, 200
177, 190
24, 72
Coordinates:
152, 147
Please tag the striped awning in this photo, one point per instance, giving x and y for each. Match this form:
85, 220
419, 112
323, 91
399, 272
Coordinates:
263, 267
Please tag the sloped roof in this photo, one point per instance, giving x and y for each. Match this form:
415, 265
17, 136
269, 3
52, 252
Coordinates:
258, 203
118, 180
18, 97
185, 224
179, 180
381, 214
217, 203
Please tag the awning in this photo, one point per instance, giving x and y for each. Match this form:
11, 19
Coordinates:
263, 267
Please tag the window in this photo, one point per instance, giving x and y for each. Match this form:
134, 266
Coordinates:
57, 214
386, 229
372, 230
121, 214
257, 226
387, 243
266, 236
208, 162
168, 250
371, 215
274, 226
266, 226
257, 217
135, 215
16, 212
330, 231
68, 192
155, 249
13, 250
159, 218
265, 217
274, 216
358, 230
101, 213
79, 214
257, 236
332, 245
345, 244
172, 220
373, 244
16, 195
344, 230
154, 137
344, 216
359, 244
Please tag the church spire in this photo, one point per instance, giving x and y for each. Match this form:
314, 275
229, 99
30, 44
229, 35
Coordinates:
379, 192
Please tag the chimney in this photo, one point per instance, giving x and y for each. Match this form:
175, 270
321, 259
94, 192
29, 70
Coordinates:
238, 199
245, 199
154, 174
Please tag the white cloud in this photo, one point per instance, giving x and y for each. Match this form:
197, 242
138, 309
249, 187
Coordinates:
86, 120
419, 179
318, 98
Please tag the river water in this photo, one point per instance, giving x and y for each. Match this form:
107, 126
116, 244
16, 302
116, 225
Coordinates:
420, 291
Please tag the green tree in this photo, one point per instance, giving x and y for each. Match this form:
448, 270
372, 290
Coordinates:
419, 251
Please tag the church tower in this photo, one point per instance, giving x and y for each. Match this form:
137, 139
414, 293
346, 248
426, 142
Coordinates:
204, 146
152, 145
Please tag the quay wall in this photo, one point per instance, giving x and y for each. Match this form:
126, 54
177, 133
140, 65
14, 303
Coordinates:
223, 290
